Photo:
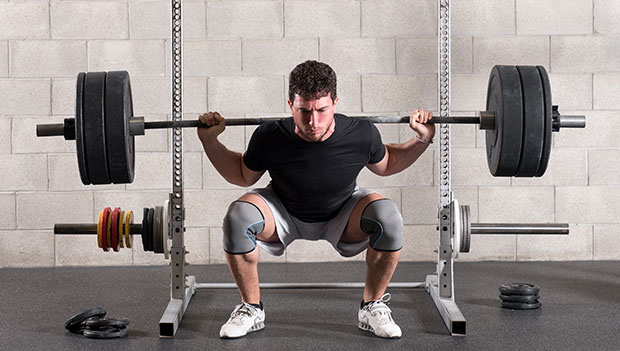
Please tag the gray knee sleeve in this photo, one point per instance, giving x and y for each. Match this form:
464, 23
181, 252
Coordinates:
383, 222
242, 223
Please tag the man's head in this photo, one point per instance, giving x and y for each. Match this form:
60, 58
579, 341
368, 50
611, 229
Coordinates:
312, 99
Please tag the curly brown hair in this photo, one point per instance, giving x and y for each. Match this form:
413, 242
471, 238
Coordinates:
312, 80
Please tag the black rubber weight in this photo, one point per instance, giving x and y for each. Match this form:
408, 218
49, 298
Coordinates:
74, 324
503, 143
519, 289
109, 333
96, 323
120, 142
145, 228
158, 243
533, 121
521, 306
520, 298
150, 238
94, 128
548, 121
79, 129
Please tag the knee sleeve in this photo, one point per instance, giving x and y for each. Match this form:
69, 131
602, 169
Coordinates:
382, 221
242, 223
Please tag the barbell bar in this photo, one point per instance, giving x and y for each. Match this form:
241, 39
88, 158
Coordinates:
518, 120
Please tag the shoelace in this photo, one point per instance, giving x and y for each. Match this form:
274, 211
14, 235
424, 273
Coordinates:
380, 310
242, 312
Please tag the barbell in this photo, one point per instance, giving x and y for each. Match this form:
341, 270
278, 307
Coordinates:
519, 120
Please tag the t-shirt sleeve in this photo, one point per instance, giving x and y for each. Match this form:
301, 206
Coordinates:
377, 149
252, 156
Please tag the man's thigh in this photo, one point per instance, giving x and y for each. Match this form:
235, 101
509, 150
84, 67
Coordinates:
269, 233
353, 232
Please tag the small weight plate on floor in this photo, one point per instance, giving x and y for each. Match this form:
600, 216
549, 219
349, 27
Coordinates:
79, 129
548, 121
121, 228
94, 128
104, 229
74, 324
521, 306
520, 298
128, 235
114, 229
99, 323
150, 238
145, 228
110, 333
503, 143
533, 121
519, 289
119, 141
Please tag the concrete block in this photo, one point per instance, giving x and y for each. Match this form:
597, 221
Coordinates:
23, 172
491, 248
462, 55
218, 256
26, 248
151, 20
416, 55
577, 246
482, 18
349, 93
469, 167
47, 58
154, 171
4, 58
101, 20
469, 92
258, 94
199, 58
245, 19
419, 241
602, 167
418, 174
24, 20
355, 56
571, 91
151, 96
63, 96
606, 91
146, 258
585, 54
574, 17
16, 91
82, 250
212, 179
591, 204
41, 210
606, 16
25, 140
194, 95
156, 140
335, 18
7, 216
128, 55
606, 245
64, 175
208, 208
419, 205
5, 135
270, 57
394, 18
510, 50
566, 167
517, 205
198, 242
316, 251
600, 132
398, 93
128, 200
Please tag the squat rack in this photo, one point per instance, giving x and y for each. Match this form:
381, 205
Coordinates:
440, 285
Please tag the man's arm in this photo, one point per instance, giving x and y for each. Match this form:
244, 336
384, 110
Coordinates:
229, 164
399, 157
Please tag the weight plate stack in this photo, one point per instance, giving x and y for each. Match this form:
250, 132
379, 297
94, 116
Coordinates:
503, 143
119, 141
94, 135
520, 296
548, 121
533, 121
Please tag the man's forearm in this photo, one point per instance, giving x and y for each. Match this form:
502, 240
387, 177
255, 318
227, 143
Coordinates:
226, 162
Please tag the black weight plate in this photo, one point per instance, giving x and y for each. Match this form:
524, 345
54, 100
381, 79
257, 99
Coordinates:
519, 289
145, 228
544, 161
521, 306
533, 121
503, 143
101, 323
106, 334
466, 236
520, 298
158, 243
150, 238
120, 142
79, 129
94, 128
74, 323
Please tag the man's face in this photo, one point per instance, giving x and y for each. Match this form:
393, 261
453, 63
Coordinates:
314, 118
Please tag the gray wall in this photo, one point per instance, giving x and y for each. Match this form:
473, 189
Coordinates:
237, 56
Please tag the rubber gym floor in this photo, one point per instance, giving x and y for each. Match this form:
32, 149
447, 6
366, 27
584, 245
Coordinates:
580, 308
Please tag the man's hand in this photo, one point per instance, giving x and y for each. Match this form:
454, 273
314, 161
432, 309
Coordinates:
425, 132
214, 125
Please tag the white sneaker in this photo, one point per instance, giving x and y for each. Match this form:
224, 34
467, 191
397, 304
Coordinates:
376, 317
244, 318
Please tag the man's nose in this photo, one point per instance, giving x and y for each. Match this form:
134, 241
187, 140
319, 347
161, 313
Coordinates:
314, 118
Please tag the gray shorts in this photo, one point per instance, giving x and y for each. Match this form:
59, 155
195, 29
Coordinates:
289, 228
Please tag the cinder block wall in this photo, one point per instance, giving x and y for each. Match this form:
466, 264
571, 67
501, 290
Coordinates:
236, 60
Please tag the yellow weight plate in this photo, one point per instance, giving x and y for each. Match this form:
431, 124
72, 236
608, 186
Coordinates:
128, 235
100, 231
109, 228
121, 216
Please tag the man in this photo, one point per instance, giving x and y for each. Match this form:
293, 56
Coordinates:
314, 159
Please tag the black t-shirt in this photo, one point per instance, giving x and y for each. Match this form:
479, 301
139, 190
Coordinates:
314, 180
